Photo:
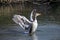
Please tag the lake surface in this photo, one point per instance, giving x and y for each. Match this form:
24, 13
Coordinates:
45, 31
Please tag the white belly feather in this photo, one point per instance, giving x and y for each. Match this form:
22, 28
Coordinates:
34, 27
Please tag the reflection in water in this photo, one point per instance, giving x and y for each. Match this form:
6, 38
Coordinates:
34, 37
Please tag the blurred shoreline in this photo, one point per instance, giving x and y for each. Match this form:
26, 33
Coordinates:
50, 12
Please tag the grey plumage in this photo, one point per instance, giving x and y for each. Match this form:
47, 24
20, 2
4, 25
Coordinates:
25, 23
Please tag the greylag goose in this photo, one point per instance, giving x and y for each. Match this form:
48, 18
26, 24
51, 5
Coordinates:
25, 23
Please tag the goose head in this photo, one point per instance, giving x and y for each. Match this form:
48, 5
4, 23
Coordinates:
36, 13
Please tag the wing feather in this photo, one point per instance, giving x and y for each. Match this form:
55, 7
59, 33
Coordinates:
21, 20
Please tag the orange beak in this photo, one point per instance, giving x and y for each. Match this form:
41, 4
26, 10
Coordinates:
37, 14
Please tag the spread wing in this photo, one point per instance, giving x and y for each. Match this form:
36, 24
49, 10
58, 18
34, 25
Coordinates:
21, 20
31, 16
32, 13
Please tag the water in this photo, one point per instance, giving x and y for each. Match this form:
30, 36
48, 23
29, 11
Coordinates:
45, 31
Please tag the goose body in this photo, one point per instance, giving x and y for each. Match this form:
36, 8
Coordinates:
33, 27
25, 23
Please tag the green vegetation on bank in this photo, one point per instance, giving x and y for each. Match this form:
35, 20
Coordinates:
7, 12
